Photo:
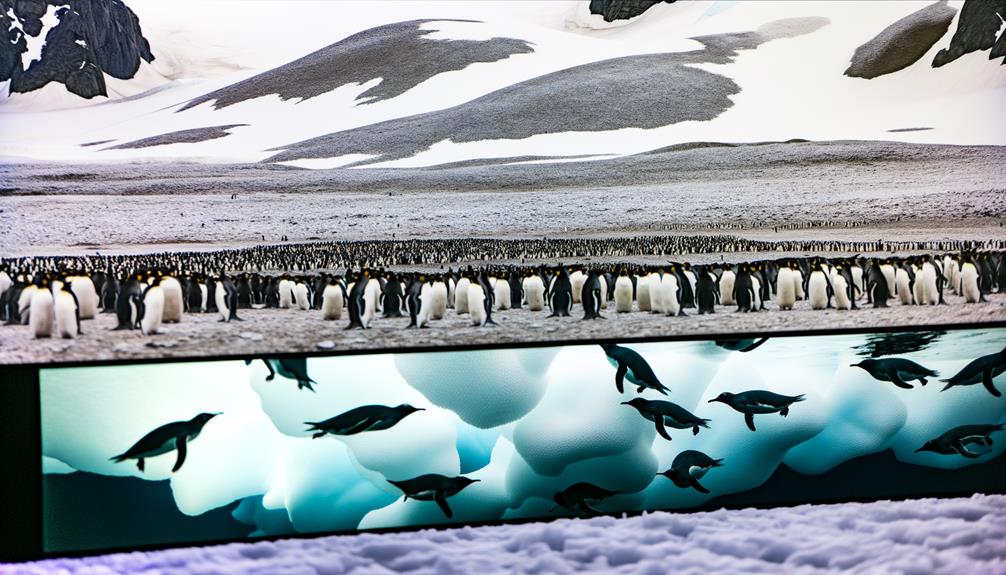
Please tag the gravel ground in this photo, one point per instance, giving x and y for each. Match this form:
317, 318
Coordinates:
931, 536
289, 331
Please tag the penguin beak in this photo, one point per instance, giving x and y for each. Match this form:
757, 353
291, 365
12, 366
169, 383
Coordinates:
919, 449
713, 400
854, 364
625, 403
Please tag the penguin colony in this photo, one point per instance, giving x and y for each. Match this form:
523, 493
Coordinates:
687, 468
53, 295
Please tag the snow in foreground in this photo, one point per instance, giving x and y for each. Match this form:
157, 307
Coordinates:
966, 535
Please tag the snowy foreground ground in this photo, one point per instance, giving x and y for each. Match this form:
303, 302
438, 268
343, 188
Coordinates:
966, 535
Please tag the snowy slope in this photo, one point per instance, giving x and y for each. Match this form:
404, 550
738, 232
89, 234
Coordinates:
791, 86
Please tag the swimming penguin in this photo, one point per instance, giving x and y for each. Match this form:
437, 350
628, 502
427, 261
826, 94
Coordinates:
129, 302
757, 401
706, 291
741, 345
560, 297
66, 312
957, 440
355, 304
631, 365
534, 292
170, 437
666, 414
41, 317
984, 370
360, 419
332, 299
433, 487
153, 307
574, 498
294, 368
174, 304
226, 299
688, 467
623, 292
896, 370
590, 296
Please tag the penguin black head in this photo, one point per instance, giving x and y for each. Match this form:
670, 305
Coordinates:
637, 402
202, 418
407, 409
929, 446
724, 397
466, 481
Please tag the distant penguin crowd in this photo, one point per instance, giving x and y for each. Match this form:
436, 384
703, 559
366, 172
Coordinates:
54, 295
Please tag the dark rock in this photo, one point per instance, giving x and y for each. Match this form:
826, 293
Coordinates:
977, 27
902, 43
91, 39
180, 137
613, 10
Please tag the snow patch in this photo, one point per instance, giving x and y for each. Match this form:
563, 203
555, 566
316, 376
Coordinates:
37, 43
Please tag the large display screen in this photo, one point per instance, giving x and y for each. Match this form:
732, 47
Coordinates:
136, 455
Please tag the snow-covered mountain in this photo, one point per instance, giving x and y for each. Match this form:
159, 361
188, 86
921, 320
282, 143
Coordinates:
420, 84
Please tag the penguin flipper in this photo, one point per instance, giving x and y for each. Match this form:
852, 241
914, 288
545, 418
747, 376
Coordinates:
896, 380
585, 508
620, 377
749, 419
987, 382
139, 464
442, 502
959, 448
181, 447
698, 486
659, 422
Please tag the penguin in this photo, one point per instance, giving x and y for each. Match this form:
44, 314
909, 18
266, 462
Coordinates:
415, 302
744, 292
23, 304
66, 312
461, 295
643, 300
226, 299
687, 280
501, 292
576, 280
957, 440
969, 282
590, 296
194, 296
896, 370
877, 285
437, 299
301, 295
689, 466
819, 290
657, 291
332, 300
433, 487
757, 302
560, 298
490, 299
371, 295
757, 401
86, 295
166, 438
631, 365
355, 304
984, 370
360, 419
574, 498
903, 286
666, 414
153, 307
842, 289
785, 288
741, 345
516, 290
887, 271
927, 279
129, 302
285, 292
393, 296
174, 304
109, 294
12, 299
294, 368
671, 288
41, 316
623, 292
534, 292
706, 291
727, 280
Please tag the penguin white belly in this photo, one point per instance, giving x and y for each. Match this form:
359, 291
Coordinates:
969, 283
756, 288
24, 303
929, 277
203, 297
841, 292
87, 296
948, 270
285, 294
502, 291
901, 287
692, 280
817, 286
643, 293
655, 283
301, 296
370, 297
623, 294
785, 289
40, 312
476, 297
438, 300
919, 288
153, 303
5, 282
461, 296
423, 317
534, 293
604, 291
65, 315
173, 304
955, 277
890, 276
669, 295
577, 279
450, 292
798, 285
331, 303
220, 298
857, 280
727, 288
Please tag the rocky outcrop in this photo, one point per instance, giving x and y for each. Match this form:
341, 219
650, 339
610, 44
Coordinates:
902, 43
977, 29
613, 10
72, 42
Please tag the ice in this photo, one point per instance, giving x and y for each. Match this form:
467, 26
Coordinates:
486, 388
